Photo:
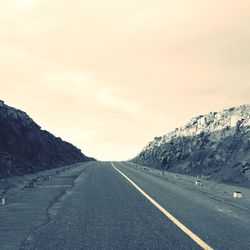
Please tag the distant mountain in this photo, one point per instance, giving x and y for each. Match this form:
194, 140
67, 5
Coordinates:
25, 148
216, 145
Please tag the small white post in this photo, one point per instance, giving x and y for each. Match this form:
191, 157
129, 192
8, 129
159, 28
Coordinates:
32, 183
198, 183
3, 201
237, 194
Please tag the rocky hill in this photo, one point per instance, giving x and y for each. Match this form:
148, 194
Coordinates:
216, 145
26, 148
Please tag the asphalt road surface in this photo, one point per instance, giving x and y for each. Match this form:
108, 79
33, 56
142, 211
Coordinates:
93, 206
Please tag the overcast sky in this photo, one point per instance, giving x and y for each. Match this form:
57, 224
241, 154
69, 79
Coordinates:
110, 75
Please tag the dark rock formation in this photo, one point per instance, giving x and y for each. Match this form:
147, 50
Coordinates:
25, 148
214, 146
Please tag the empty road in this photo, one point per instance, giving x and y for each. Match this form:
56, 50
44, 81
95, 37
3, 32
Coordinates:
94, 206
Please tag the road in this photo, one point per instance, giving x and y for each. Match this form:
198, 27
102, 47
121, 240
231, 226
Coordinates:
93, 206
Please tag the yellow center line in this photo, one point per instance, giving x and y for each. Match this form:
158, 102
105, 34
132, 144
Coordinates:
193, 236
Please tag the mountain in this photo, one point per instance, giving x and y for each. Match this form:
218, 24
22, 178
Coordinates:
216, 146
26, 148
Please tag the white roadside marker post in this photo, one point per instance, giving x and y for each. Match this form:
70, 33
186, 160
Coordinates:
237, 194
2, 201
198, 183
32, 183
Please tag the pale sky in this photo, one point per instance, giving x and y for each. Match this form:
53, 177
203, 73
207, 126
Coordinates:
109, 76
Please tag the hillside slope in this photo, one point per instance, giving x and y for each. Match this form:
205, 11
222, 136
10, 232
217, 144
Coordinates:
214, 146
25, 148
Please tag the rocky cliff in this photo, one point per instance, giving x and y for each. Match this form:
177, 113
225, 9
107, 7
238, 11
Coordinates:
25, 148
216, 145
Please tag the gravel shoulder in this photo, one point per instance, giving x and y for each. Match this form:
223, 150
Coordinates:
28, 208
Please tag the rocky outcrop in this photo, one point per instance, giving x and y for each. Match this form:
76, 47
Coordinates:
214, 146
26, 148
